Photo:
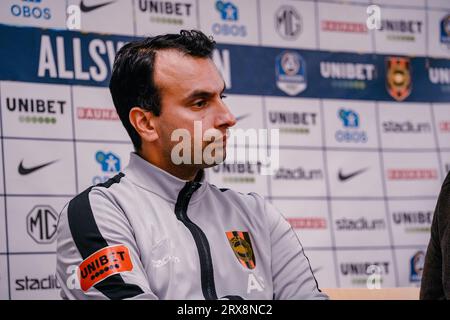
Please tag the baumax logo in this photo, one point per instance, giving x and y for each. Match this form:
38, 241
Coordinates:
401, 30
238, 172
104, 114
293, 122
348, 75
362, 223
36, 111
406, 127
298, 173
343, 26
307, 223
412, 174
31, 9
37, 283
166, 12
413, 221
444, 126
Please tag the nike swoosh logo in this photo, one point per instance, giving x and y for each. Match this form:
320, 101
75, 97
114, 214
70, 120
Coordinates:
85, 8
24, 171
344, 177
239, 118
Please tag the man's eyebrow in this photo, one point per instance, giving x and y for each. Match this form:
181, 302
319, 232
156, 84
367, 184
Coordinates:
202, 94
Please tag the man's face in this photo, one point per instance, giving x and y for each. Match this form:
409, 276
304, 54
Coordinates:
191, 91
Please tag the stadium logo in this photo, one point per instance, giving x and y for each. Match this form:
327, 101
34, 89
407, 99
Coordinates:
288, 22
109, 163
348, 75
401, 30
412, 174
416, 264
229, 13
360, 224
293, 122
344, 27
413, 221
290, 71
238, 172
406, 127
166, 12
298, 174
36, 111
445, 31
307, 223
41, 224
350, 121
242, 247
398, 77
31, 9
29, 283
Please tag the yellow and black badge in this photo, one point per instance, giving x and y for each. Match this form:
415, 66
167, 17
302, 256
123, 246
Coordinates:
242, 247
398, 77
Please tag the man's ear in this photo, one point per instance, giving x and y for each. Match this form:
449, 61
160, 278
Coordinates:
144, 123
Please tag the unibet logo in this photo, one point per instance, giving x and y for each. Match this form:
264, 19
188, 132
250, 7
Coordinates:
238, 172
165, 11
414, 221
41, 224
293, 122
36, 111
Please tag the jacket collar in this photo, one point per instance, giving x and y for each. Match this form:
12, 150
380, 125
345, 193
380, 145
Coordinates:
150, 177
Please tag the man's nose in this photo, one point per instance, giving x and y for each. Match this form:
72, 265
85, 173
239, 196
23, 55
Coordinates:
225, 118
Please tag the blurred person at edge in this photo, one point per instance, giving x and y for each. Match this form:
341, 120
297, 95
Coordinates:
158, 230
435, 282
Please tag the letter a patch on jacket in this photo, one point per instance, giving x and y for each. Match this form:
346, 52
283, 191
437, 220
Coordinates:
242, 247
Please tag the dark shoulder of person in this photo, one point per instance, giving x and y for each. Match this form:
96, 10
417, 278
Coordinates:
436, 272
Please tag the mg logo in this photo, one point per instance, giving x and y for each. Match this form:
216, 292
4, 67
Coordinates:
41, 224
288, 22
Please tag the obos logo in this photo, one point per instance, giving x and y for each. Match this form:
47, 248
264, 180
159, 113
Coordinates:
416, 264
229, 13
109, 163
445, 31
350, 121
41, 224
31, 10
290, 73
288, 22
398, 77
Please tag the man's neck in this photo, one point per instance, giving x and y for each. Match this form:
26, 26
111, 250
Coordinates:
182, 172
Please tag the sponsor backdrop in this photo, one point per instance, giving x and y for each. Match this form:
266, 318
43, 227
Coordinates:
363, 114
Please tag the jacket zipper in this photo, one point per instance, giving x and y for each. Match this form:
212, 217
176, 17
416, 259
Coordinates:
204, 252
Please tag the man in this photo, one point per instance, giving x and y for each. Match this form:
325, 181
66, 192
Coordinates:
159, 230
436, 271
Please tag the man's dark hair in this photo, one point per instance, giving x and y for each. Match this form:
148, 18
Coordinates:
132, 83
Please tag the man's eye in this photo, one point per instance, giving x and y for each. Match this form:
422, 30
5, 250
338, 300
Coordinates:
200, 103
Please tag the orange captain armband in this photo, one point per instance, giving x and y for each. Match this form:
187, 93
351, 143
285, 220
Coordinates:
103, 264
